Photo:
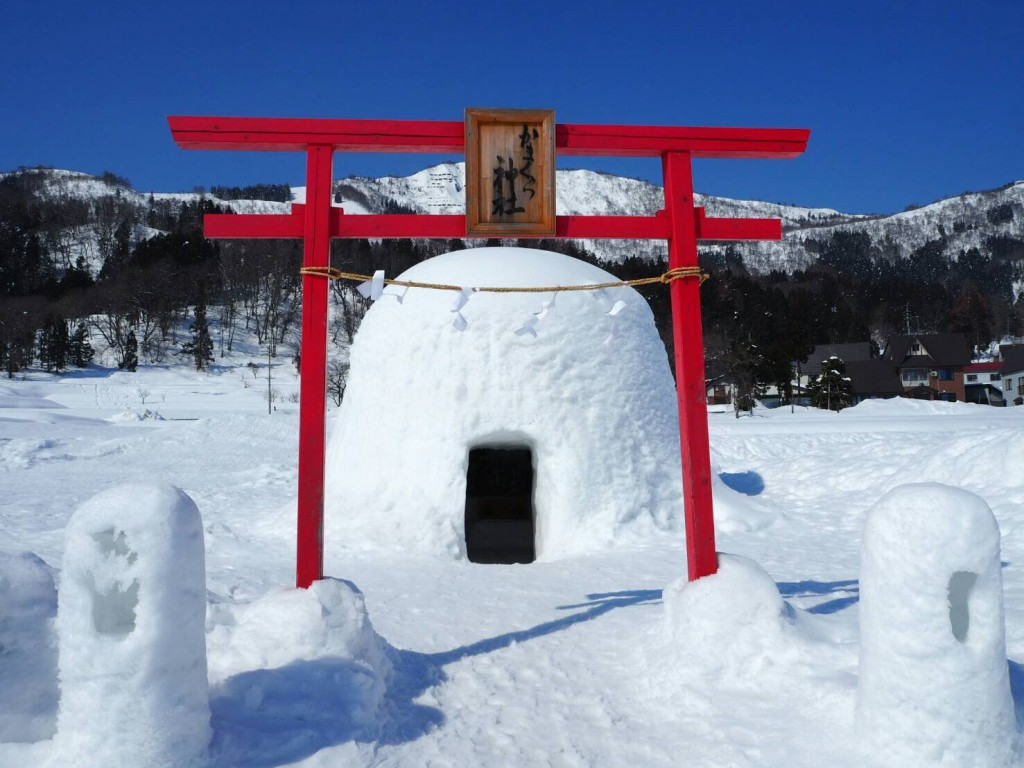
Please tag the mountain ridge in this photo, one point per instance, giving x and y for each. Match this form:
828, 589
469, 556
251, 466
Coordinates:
959, 223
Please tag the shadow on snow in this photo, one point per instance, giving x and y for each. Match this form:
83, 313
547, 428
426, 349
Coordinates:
272, 717
748, 483
849, 588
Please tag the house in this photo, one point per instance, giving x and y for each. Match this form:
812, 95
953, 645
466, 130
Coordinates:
848, 353
503, 427
928, 364
870, 377
804, 372
983, 383
873, 378
1012, 373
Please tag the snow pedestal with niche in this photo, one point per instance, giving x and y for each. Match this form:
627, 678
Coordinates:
934, 685
580, 380
131, 630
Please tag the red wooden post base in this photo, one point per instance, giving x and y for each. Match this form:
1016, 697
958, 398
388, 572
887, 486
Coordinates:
316, 222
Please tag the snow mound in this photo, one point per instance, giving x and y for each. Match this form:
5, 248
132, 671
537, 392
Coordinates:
130, 415
908, 406
934, 686
982, 461
131, 626
28, 655
270, 660
328, 619
731, 624
580, 379
12, 396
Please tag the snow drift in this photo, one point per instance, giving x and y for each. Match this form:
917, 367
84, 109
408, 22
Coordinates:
28, 658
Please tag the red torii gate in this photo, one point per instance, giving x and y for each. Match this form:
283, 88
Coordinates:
317, 222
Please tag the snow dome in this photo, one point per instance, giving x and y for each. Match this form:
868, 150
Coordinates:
504, 427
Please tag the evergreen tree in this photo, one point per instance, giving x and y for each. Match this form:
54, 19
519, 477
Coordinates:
130, 361
200, 346
833, 389
54, 344
120, 251
971, 316
80, 351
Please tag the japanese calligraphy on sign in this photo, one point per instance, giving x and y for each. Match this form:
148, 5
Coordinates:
510, 172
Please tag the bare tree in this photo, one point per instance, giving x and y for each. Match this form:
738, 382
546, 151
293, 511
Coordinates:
337, 379
109, 214
263, 279
65, 228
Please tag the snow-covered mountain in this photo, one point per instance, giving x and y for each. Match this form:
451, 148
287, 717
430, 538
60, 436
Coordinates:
970, 220
55, 183
962, 222
440, 189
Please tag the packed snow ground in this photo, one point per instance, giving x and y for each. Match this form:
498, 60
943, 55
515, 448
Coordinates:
562, 663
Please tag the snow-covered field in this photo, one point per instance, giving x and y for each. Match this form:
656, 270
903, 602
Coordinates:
564, 662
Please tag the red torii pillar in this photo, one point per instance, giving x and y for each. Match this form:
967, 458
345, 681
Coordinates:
317, 222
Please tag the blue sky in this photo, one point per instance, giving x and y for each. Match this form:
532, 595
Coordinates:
907, 102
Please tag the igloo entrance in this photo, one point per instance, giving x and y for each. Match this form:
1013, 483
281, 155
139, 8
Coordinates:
499, 505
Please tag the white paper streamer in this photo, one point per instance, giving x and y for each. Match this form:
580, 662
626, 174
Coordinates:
461, 299
373, 289
528, 327
546, 307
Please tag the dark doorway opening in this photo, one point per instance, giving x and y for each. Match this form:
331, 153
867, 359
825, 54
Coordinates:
499, 505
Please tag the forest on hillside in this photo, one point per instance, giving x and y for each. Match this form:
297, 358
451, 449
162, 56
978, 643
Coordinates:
133, 271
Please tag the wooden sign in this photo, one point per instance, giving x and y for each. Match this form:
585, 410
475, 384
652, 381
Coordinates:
510, 172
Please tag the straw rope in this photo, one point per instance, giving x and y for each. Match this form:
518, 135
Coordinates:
679, 273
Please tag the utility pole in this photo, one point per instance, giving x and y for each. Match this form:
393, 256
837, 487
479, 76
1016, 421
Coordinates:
793, 395
270, 394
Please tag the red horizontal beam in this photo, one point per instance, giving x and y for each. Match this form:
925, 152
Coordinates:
218, 226
737, 229
295, 134
653, 141
287, 134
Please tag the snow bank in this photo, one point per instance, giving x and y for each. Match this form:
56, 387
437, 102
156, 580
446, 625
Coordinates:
982, 461
934, 686
908, 406
301, 662
580, 378
28, 656
730, 624
131, 627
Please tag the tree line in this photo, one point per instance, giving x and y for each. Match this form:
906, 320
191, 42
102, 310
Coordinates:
95, 265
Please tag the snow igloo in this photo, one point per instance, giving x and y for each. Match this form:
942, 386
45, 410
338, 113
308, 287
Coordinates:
504, 427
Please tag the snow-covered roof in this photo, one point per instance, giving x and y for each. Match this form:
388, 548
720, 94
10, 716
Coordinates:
581, 378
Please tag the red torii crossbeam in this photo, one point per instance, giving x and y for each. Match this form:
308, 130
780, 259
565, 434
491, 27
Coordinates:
317, 222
